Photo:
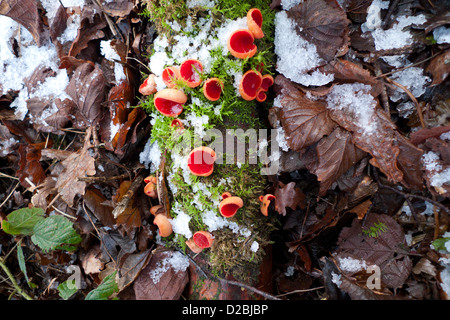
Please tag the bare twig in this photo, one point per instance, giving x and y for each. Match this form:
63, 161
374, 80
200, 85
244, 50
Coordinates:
300, 291
103, 179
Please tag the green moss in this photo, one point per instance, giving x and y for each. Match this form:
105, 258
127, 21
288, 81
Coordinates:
231, 252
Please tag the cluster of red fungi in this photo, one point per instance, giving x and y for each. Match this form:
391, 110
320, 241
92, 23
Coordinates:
170, 102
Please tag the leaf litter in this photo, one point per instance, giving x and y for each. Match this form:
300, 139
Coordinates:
359, 99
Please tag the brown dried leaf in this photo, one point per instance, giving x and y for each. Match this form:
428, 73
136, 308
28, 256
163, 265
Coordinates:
169, 284
130, 268
91, 262
439, 68
90, 29
119, 8
79, 164
26, 12
387, 250
419, 136
304, 121
323, 23
87, 90
131, 215
95, 200
59, 23
288, 196
336, 154
29, 164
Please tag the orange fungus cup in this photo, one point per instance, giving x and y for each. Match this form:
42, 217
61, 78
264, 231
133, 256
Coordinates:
201, 161
169, 74
190, 72
148, 86
265, 202
230, 205
250, 83
203, 239
240, 44
170, 102
254, 22
164, 225
212, 89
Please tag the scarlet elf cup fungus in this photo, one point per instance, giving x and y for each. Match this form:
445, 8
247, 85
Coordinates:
254, 22
240, 44
190, 72
230, 205
164, 225
261, 95
170, 102
169, 74
201, 161
265, 202
212, 89
250, 83
193, 246
148, 86
203, 239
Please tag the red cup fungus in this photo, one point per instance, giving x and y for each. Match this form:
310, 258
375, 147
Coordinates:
169, 74
190, 72
176, 123
265, 202
254, 22
148, 86
230, 205
201, 161
250, 83
212, 89
267, 82
261, 95
193, 246
203, 239
164, 225
170, 101
240, 44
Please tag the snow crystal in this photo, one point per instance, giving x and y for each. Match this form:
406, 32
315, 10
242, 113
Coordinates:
110, 54
336, 279
445, 275
438, 175
445, 136
198, 123
175, 260
296, 56
215, 222
281, 139
288, 4
396, 37
200, 3
255, 246
405, 109
397, 61
151, 155
73, 23
373, 19
351, 265
289, 271
180, 224
441, 35
413, 79
356, 100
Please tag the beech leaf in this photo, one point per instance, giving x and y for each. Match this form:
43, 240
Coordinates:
336, 154
323, 23
304, 121
288, 196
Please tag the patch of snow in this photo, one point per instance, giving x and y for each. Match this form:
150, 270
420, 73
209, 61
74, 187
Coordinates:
441, 35
336, 279
150, 157
180, 224
73, 23
175, 260
373, 19
200, 3
413, 79
396, 37
288, 4
111, 54
254, 247
289, 271
445, 136
295, 55
351, 265
445, 275
356, 100
438, 175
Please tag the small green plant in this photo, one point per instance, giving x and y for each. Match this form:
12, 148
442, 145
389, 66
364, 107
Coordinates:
375, 230
440, 244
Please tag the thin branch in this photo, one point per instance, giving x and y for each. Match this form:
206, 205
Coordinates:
300, 291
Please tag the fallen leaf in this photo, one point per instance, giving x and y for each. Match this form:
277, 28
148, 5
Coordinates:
26, 12
387, 250
130, 268
288, 196
87, 90
323, 23
59, 23
159, 280
94, 200
90, 29
79, 164
119, 8
304, 121
29, 164
439, 68
419, 136
91, 262
336, 154
131, 215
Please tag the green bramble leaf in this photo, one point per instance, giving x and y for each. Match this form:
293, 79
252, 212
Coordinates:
67, 289
22, 221
105, 289
55, 232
